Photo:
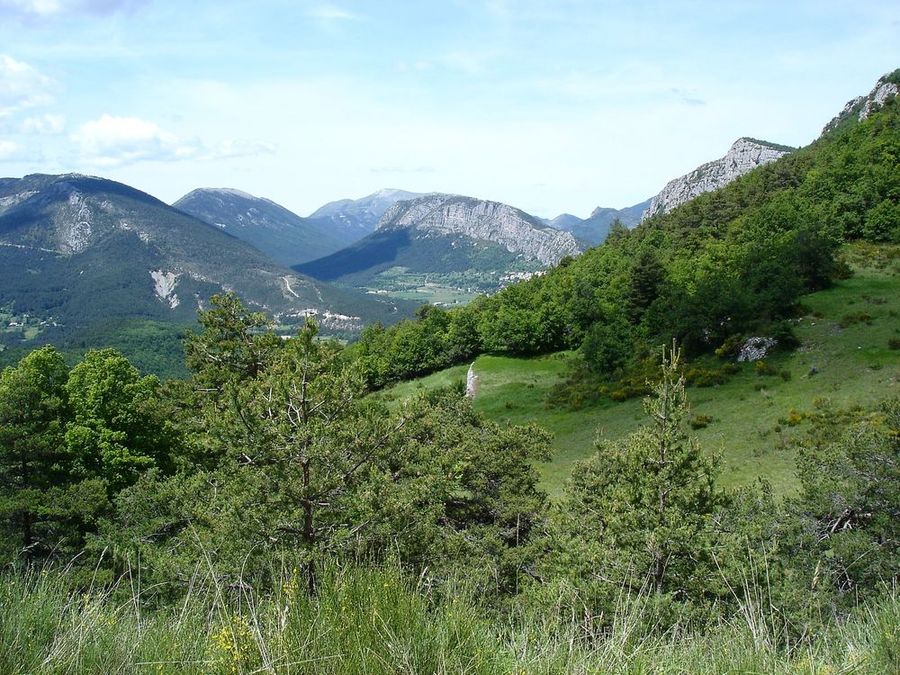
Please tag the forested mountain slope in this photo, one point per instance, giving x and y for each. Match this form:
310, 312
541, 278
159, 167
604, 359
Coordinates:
727, 264
82, 259
279, 233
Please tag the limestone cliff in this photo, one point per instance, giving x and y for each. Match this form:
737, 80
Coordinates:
515, 230
863, 106
744, 155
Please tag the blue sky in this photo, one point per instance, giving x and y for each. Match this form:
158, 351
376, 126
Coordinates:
551, 106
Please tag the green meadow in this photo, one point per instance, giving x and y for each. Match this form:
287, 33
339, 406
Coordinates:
844, 360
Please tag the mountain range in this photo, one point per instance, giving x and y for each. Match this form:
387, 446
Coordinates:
84, 260
280, 234
78, 253
360, 217
595, 228
449, 241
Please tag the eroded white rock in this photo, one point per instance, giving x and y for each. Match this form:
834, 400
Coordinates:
164, 286
756, 348
744, 155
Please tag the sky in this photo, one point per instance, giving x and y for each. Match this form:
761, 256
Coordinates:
549, 105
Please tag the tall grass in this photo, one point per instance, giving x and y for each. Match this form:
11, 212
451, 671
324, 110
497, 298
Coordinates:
379, 621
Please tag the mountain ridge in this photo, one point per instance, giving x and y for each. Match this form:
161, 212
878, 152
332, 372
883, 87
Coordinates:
273, 229
78, 252
463, 245
744, 155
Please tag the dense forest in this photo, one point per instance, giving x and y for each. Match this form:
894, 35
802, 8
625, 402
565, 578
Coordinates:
266, 512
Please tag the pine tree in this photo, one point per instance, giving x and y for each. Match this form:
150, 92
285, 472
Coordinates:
642, 505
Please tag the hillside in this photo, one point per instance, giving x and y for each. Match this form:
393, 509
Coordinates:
82, 258
279, 233
842, 361
727, 265
457, 245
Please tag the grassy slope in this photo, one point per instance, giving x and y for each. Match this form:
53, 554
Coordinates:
855, 366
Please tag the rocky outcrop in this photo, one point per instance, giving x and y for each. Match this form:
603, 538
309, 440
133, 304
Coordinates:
745, 155
477, 219
863, 106
164, 286
756, 348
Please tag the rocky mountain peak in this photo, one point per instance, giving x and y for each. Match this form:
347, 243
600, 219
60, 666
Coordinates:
744, 155
862, 106
478, 219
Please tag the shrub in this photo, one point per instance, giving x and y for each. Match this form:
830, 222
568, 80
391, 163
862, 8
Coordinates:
700, 421
763, 369
707, 377
859, 317
793, 418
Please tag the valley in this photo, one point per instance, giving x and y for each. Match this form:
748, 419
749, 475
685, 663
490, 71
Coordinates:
427, 432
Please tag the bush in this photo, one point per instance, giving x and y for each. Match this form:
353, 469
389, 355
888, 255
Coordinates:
700, 421
708, 377
793, 418
763, 369
859, 317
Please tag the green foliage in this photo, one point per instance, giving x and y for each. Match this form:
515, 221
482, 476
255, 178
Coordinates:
378, 621
295, 458
850, 503
71, 440
608, 344
637, 514
33, 410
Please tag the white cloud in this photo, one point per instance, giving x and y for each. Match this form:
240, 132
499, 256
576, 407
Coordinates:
44, 125
30, 9
21, 86
115, 141
332, 13
112, 141
8, 150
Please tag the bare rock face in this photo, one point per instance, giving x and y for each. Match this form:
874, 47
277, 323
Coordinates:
863, 106
756, 348
745, 155
513, 229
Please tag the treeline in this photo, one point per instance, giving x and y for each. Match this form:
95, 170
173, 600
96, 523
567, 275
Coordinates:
726, 264
272, 457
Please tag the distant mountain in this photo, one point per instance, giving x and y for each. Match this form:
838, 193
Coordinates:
451, 239
281, 234
861, 107
78, 254
356, 218
594, 229
744, 155
564, 221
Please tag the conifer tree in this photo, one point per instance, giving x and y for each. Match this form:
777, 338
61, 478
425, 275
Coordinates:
642, 505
